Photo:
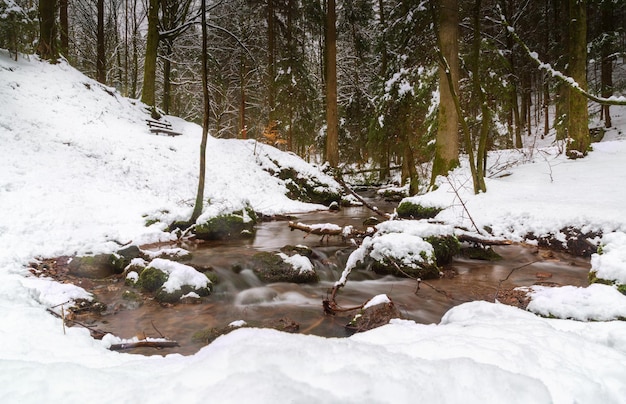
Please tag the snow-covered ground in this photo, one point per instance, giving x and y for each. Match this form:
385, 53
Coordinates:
79, 170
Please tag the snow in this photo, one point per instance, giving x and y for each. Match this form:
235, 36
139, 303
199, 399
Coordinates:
596, 302
238, 323
179, 275
376, 300
299, 262
80, 173
611, 264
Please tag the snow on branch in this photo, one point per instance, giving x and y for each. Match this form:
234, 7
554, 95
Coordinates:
567, 80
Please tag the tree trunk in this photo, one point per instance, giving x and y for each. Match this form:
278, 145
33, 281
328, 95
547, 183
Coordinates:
64, 25
332, 129
149, 72
607, 59
481, 156
101, 72
578, 128
271, 62
135, 66
197, 210
562, 91
447, 139
243, 129
167, 73
47, 30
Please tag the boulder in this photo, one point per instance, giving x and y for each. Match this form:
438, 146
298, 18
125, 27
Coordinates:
97, 266
377, 312
271, 267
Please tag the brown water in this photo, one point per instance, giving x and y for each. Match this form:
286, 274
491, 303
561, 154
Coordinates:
241, 296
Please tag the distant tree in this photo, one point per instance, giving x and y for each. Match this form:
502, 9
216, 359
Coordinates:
332, 119
17, 26
101, 65
64, 27
173, 23
47, 48
148, 92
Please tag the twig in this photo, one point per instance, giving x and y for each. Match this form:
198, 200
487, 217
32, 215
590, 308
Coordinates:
507, 277
95, 332
156, 329
63, 318
463, 204
420, 281
144, 344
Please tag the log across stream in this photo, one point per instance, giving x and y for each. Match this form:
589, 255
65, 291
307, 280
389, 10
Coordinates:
240, 295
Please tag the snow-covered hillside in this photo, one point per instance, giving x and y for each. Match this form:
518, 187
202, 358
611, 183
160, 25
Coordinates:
78, 171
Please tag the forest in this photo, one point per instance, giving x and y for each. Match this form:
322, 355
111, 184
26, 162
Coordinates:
377, 84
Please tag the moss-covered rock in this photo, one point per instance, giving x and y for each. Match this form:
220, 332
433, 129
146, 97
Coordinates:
271, 267
164, 296
445, 247
96, 266
151, 279
131, 278
481, 253
239, 224
297, 249
394, 194
411, 256
410, 210
307, 189
392, 267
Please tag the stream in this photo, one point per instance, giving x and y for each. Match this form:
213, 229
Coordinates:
239, 295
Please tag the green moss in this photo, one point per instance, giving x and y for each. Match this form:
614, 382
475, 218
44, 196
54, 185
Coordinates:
480, 253
410, 210
307, 189
235, 225
209, 335
131, 296
270, 267
424, 270
163, 296
212, 276
151, 279
446, 247
593, 278
622, 289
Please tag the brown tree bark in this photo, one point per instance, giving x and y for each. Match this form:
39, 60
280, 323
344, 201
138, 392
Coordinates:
606, 75
199, 204
101, 72
149, 71
332, 121
47, 48
578, 126
447, 139
64, 25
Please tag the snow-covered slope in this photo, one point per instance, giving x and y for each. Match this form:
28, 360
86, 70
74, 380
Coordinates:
78, 169
83, 161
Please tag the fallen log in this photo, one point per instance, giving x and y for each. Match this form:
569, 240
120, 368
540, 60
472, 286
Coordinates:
360, 199
327, 230
144, 344
318, 229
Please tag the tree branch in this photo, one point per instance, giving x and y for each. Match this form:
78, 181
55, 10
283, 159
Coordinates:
565, 79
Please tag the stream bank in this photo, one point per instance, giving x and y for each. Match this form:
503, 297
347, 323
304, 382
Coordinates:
239, 295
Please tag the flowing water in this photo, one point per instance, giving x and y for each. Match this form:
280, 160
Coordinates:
241, 296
